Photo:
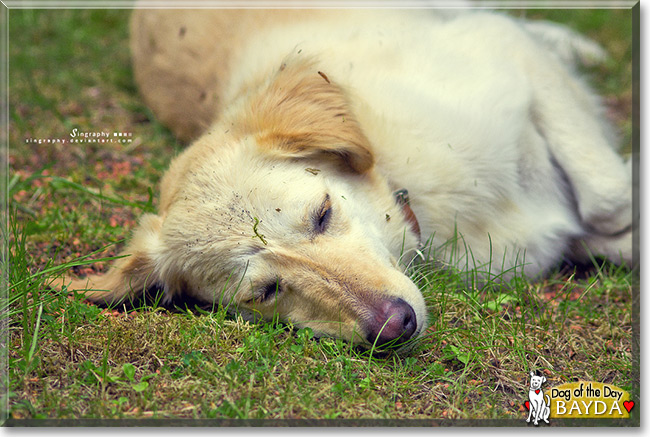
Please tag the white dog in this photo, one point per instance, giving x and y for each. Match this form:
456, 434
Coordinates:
311, 121
538, 408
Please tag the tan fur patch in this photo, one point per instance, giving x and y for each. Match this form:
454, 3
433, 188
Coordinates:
299, 114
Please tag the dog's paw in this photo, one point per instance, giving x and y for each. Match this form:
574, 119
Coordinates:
617, 249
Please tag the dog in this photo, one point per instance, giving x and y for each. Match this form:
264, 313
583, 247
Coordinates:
539, 409
332, 149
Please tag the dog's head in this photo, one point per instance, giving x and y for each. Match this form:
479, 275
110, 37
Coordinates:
278, 211
536, 381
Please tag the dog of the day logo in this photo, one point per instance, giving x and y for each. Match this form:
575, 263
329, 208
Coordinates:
538, 405
576, 400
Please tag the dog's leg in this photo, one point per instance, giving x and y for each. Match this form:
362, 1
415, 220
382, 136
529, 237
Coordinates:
578, 138
533, 409
547, 413
601, 182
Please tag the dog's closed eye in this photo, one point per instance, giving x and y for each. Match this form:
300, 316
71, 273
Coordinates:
321, 219
267, 291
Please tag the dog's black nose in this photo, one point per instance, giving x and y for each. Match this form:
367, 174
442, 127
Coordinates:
394, 321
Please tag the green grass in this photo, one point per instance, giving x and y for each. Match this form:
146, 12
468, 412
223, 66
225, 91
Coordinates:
70, 360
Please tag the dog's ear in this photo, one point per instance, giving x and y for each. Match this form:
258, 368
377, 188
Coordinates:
130, 276
532, 373
302, 113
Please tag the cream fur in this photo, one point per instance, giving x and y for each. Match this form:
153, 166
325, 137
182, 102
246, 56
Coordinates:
501, 147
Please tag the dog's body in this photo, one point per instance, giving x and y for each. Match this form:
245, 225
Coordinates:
285, 203
539, 407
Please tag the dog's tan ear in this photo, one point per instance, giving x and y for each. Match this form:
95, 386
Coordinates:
129, 277
303, 113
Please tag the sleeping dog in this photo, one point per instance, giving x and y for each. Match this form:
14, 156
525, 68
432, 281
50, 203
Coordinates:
328, 148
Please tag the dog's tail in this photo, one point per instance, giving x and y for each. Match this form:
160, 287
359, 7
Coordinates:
132, 275
548, 400
566, 43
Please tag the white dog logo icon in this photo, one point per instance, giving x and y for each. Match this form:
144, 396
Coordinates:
538, 409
